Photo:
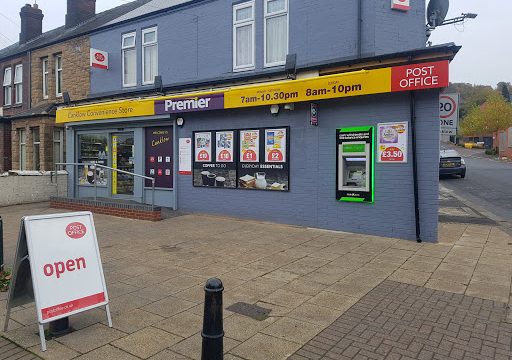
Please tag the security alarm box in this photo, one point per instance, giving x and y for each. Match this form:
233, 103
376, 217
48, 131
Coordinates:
355, 164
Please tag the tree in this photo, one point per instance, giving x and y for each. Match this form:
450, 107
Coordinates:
505, 91
494, 115
470, 95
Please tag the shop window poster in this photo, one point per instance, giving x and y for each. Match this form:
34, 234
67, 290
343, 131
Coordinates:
250, 146
159, 156
392, 146
224, 146
203, 146
271, 172
275, 145
221, 171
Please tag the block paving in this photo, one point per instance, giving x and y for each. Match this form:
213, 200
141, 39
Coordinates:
401, 321
155, 273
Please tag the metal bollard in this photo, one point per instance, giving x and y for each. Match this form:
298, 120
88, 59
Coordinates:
60, 327
1, 244
213, 332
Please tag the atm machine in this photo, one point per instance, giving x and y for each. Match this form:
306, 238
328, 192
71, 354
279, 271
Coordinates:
355, 164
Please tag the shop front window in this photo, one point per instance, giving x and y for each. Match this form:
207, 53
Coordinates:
123, 159
93, 149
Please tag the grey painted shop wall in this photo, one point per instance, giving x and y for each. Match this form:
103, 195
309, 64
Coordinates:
195, 44
311, 200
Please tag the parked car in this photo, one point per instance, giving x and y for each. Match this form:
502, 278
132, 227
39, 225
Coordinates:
451, 163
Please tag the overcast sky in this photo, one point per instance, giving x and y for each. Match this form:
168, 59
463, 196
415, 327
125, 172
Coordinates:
485, 58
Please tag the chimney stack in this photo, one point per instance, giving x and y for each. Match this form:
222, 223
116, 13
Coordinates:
31, 23
79, 11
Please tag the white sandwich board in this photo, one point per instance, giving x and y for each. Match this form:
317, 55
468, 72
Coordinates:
58, 265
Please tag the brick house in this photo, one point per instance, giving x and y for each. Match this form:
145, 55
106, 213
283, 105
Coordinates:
41, 71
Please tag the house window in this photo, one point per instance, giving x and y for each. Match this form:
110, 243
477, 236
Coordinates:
276, 32
149, 56
243, 36
18, 83
45, 78
58, 75
22, 138
8, 86
129, 60
58, 148
36, 147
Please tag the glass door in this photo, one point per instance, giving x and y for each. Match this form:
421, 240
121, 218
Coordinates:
123, 159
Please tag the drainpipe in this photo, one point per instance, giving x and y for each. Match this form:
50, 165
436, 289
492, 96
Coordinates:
415, 166
359, 28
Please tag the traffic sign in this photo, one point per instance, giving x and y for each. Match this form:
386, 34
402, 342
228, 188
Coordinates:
449, 113
58, 265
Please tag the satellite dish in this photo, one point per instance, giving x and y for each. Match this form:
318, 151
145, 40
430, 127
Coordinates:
437, 11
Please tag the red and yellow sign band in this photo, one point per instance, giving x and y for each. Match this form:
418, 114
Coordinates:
422, 76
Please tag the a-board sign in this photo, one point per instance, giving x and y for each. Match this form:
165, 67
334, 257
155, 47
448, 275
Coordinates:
58, 256
449, 113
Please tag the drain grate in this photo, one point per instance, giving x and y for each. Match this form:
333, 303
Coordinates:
253, 311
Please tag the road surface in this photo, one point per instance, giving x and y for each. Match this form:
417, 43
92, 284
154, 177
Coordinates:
488, 184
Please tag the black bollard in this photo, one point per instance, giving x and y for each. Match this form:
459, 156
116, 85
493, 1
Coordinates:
1, 244
60, 327
213, 331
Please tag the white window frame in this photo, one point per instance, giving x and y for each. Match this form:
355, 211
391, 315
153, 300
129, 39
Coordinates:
147, 44
269, 16
7, 84
123, 49
22, 135
241, 23
59, 141
18, 83
57, 72
46, 74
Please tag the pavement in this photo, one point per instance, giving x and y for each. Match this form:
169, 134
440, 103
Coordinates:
326, 290
486, 187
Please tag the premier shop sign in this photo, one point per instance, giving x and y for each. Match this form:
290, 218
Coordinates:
189, 104
58, 257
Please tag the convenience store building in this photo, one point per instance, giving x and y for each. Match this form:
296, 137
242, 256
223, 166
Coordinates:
354, 149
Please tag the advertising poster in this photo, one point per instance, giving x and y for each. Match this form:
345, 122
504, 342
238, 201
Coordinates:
250, 146
203, 146
275, 145
224, 146
392, 146
220, 171
159, 156
185, 156
270, 172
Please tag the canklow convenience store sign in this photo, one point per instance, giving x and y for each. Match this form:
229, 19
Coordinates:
421, 76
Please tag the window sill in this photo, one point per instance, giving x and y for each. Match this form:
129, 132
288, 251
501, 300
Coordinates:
274, 65
238, 70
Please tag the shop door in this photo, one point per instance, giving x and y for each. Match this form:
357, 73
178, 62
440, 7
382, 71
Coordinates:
123, 159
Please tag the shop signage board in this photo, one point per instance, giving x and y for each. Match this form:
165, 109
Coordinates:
58, 265
159, 156
99, 59
217, 171
355, 149
402, 5
421, 76
393, 139
449, 113
185, 156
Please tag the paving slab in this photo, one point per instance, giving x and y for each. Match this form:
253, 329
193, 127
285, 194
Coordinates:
308, 278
